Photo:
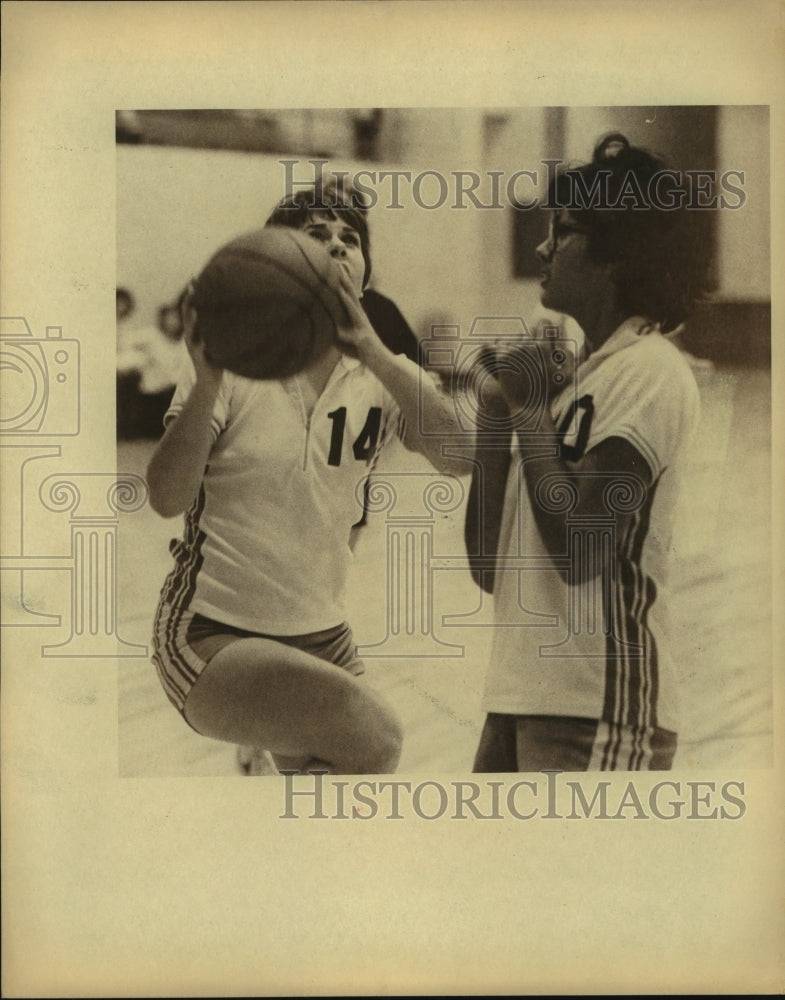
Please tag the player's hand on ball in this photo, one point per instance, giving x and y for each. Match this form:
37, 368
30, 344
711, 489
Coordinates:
206, 370
356, 336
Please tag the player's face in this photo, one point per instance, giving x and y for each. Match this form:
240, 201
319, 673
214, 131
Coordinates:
342, 243
570, 279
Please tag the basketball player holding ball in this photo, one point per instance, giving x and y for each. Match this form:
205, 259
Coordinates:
250, 639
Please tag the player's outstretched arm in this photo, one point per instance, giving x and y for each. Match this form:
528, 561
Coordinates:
176, 469
421, 401
423, 404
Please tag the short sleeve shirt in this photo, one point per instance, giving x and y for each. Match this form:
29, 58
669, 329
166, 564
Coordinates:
265, 545
598, 649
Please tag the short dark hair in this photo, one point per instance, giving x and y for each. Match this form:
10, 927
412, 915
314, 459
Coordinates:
661, 263
334, 201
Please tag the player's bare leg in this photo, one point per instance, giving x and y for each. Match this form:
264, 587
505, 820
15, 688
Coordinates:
305, 711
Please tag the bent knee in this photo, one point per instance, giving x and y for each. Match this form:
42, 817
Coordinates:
379, 734
389, 750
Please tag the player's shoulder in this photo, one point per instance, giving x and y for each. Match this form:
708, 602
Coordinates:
659, 374
671, 362
636, 371
657, 357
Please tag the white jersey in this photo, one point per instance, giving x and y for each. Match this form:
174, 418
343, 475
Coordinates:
598, 649
266, 543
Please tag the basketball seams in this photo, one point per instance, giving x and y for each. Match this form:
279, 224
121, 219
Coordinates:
240, 300
259, 258
262, 308
321, 282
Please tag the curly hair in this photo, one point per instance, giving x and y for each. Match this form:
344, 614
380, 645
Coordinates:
660, 261
332, 200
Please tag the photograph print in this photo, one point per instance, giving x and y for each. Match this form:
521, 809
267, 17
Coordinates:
474, 439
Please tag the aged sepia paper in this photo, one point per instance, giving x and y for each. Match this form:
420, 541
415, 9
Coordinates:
129, 872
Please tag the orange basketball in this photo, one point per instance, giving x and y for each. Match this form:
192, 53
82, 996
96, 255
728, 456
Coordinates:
267, 303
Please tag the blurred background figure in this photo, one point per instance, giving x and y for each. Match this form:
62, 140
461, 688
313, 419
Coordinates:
124, 305
149, 359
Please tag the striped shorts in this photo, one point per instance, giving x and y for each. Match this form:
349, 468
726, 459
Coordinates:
184, 642
510, 743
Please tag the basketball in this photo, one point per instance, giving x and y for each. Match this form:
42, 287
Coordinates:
267, 303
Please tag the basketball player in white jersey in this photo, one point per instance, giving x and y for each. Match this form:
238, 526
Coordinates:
579, 506
250, 640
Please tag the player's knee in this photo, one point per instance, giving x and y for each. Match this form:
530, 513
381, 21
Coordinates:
380, 735
388, 742
389, 750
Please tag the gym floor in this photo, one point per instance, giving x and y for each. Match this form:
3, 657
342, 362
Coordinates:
721, 610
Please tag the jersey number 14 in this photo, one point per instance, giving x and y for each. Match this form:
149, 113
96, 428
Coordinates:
366, 440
